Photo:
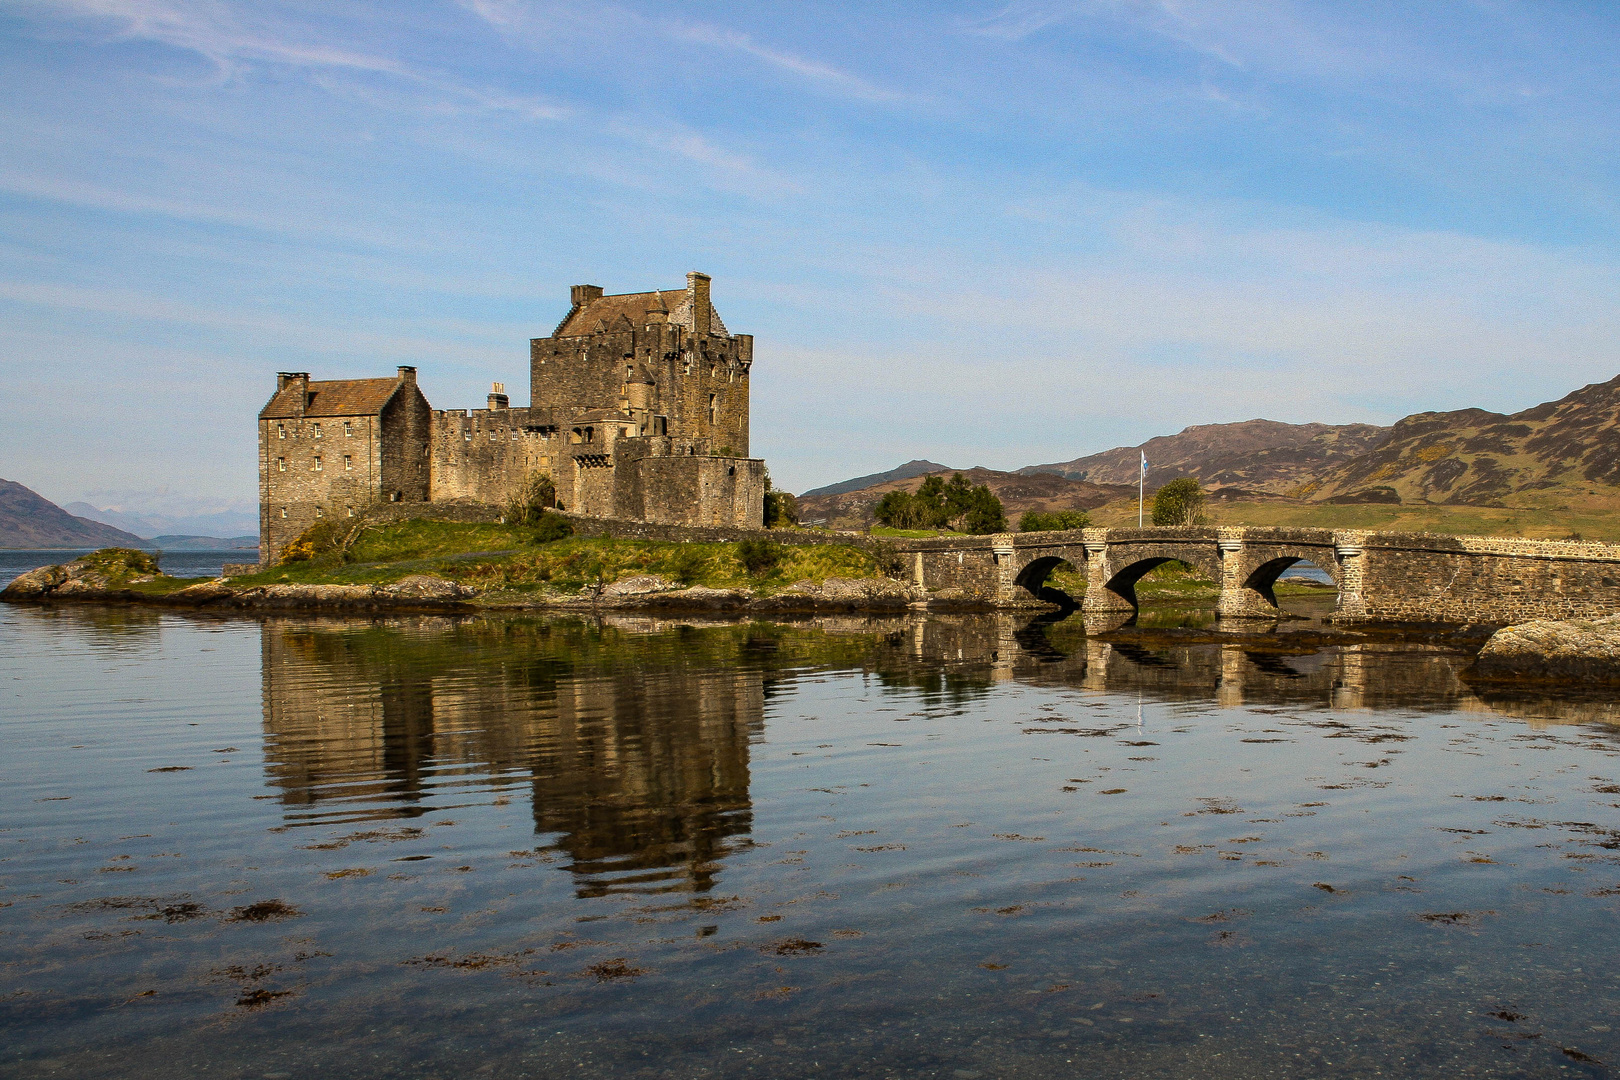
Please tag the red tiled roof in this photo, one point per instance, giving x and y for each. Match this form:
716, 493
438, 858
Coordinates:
333, 397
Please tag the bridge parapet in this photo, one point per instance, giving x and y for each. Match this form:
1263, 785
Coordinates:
1380, 575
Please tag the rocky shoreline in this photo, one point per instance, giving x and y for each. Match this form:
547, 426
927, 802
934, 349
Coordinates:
79, 582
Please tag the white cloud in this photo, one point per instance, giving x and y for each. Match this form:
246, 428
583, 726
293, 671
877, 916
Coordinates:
820, 74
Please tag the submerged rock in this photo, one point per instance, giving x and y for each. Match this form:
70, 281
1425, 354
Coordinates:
1569, 650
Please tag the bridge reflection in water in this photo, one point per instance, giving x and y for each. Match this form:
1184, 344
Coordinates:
633, 736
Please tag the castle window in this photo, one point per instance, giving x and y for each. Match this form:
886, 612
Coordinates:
466, 433
660, 425
713, 409
514, 434
283, 513
317, 429
686, 364
348, 463
317, 464
281, 464
351, 511
281, 431
348, 432
318, 512
629, 372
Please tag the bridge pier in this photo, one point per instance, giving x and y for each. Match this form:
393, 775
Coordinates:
1239, 599
1099, 597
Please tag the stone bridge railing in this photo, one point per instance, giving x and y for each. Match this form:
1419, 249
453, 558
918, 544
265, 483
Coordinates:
1380, 575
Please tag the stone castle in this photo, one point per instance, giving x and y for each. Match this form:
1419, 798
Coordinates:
638, 411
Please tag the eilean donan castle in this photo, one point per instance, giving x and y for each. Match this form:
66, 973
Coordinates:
638, 411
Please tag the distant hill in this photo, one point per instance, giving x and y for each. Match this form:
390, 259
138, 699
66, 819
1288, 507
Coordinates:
1257, 455
29, 520
1557, 455
917, 467
176, 520
202, 543
852, 508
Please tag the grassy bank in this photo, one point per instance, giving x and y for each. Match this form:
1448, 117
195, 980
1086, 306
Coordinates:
509, 562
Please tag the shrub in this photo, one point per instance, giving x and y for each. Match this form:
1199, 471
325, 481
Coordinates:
1040, 521
320, 539
549, 527
758, 556
531, 500
1180, 502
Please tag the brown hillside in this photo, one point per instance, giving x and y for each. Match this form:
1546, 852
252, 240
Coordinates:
29, 520
1561, 454
1017, 492
1259, 455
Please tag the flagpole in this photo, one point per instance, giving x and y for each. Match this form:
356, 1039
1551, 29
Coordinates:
1141, 483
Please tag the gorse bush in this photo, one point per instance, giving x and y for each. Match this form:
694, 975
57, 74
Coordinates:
1041, 521
1180, 502
324, 538
938, 505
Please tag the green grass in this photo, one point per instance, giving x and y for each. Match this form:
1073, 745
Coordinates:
507, 565
912, 534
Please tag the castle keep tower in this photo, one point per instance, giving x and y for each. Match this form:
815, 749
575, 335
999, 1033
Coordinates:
638, 411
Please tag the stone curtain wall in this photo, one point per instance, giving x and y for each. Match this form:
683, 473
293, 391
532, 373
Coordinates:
294, 494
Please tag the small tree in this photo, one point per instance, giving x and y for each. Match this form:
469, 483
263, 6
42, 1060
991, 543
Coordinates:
533, 497
781, 508
1180, 502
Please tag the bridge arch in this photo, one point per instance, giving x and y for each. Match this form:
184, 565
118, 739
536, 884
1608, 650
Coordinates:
1032, 577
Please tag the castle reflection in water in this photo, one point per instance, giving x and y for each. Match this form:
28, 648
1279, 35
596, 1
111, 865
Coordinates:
633, 735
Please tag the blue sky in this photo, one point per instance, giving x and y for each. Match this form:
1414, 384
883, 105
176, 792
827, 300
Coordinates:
982, 232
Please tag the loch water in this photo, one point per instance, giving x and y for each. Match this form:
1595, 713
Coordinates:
961, 847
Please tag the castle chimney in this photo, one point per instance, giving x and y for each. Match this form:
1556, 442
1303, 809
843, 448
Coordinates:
497, 396
584, 294
697, 288
407, 374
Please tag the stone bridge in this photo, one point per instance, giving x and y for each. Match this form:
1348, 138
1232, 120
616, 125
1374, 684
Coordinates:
1380, 575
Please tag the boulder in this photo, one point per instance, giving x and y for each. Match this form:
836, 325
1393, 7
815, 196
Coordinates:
844, 594
1569, 650
639, 585
204, 592
426, 587
35, 583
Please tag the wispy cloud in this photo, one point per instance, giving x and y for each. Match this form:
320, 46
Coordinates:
823, 75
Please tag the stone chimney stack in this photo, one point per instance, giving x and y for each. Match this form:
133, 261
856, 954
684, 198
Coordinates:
697, 287
407, 375
497, 396
299, 381
584, 294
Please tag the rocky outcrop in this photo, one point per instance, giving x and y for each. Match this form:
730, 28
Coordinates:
843, 594
35, 584
1547, 650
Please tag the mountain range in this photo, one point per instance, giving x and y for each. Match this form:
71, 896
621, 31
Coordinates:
1559, 455
29, 520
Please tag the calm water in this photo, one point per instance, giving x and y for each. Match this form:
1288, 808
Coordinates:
953, 847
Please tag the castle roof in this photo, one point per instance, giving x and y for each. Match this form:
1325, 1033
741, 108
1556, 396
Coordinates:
636, 307
332, 397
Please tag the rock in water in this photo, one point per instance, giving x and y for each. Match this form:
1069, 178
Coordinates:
35, 583
1571, 650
